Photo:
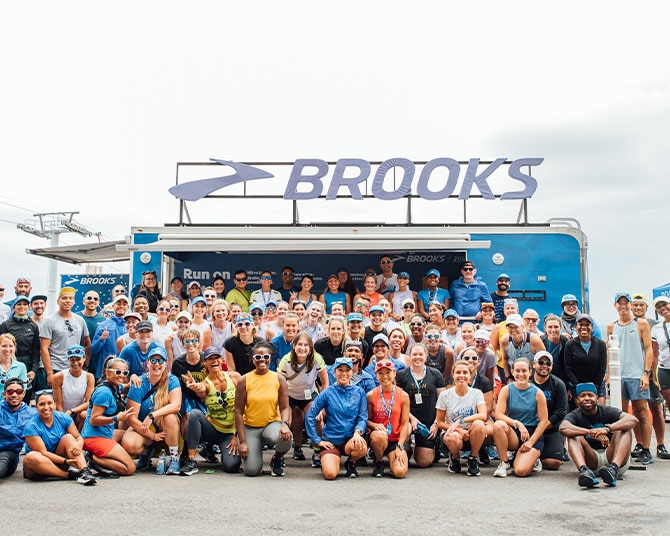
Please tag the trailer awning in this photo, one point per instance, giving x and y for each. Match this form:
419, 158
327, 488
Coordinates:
96, 252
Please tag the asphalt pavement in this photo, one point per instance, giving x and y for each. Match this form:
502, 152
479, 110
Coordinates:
427, 501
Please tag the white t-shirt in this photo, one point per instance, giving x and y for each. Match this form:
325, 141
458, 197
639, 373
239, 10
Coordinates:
658, 335
459, 407
387, 284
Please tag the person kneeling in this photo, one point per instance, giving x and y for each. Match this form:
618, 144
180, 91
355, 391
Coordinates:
346, 415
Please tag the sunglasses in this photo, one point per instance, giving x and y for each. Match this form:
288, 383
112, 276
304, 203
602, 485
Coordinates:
163, 309
93, 298
543, 363
261, 357
468, 269
256, 312
469, 358
191, 341
531, 319
11, 392
270, 307
119, 372
156, 360
107, 312
175, 307
266, 278
243, 324
481, 341
69, 326
361, 304
431, 336
386, 262
2, 289
287, 273
210, 296
408, 306
241, 279
119, 291
415, 324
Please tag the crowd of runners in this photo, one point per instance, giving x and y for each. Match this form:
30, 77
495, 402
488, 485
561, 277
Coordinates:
380, 377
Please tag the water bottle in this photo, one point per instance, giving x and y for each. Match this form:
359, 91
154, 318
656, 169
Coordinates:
160, 468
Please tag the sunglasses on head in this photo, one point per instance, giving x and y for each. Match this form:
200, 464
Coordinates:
156, 360
261, 357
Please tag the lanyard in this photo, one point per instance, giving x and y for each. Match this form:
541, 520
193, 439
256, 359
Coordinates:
418, 382
387, 409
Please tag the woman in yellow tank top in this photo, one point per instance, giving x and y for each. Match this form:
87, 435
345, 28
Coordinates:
262, 414
217, 391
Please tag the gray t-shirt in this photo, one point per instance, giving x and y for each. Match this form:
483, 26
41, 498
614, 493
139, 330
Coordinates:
63, 333
459, 407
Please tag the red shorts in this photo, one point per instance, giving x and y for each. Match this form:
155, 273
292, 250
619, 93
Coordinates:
99, 446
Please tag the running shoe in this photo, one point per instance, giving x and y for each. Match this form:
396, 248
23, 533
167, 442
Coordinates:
144, 460
484, 457
492, 452
502, 470
454, 464
609, 474
190, 467
662, 453
637, 451
316, 460
473, 466
566, 456
587, 478
350, 466
298, 454
86, 477
645, 458
208, 454
276, 467
173, 466
378, 470
101, 471
537, 468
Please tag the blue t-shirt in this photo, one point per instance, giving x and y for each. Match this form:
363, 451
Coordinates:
427, 296
51, 436
137, 394
137, 361
12, 424
104, 397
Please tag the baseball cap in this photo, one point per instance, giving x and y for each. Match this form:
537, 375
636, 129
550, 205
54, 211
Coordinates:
406, 301
132, 314
502, 276
244, 317
487, 305
386, 364
543, 353
450, 312
640, 298
332, 276
213, 350
354, 317
403, 275
38, 297
21, 298
510, 301
184, 314
584, 316
144, 325
468, 263
569, 298
346, 361
515, 320
121, 297
432, 271
256, 305
271, 302
482, 334
158, 350
661, 299
194, 284
199, 299
620, 295
76, 350
67, 291
381, 337
376, 308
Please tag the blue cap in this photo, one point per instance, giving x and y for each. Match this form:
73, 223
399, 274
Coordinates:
403, 274
20, 298
502, 276
158, 350
450, 312
354, 317
76, 350
213, 350
271, 302
244, 317
344, 361
619, 295
199, 299
376, 308
432, 271
569, 297
256, 305
586, 387
38, 297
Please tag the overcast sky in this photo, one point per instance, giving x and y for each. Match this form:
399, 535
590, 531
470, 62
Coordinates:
99, 103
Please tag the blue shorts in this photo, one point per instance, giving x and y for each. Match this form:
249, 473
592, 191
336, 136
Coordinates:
630, 390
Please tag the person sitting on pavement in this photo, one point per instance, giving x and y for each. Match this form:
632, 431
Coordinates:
388, 422
521, 418
461, 414
14, 415
54, 447
599, 438
346, 414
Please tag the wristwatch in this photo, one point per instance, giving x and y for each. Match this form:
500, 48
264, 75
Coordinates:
286, 423
151, 416
401, 447
648, 372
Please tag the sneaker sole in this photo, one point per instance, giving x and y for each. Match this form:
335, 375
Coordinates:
188, 473
586, 481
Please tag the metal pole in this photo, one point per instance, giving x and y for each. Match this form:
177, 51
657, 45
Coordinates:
615, 372
52, 280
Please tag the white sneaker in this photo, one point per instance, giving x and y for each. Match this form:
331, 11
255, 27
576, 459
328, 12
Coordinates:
503, 470
538, 466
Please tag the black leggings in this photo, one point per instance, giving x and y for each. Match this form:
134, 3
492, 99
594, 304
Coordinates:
198, 428
9, 461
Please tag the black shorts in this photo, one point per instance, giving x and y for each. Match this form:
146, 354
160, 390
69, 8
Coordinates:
664, 378
424, 442
295, 403
391, 447
553, 446
540, 442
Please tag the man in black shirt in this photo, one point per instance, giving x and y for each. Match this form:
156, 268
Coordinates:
599, 438
557, 405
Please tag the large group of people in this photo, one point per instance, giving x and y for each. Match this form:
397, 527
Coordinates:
380, 376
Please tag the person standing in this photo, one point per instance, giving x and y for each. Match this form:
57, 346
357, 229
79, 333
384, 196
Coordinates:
387, 281
107, 333
90, 314
432, 293
60, 331
500, 295
288, 289
660, 343
27, 336
468, 292
5, 311
585, 359
240, 295
266, 294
